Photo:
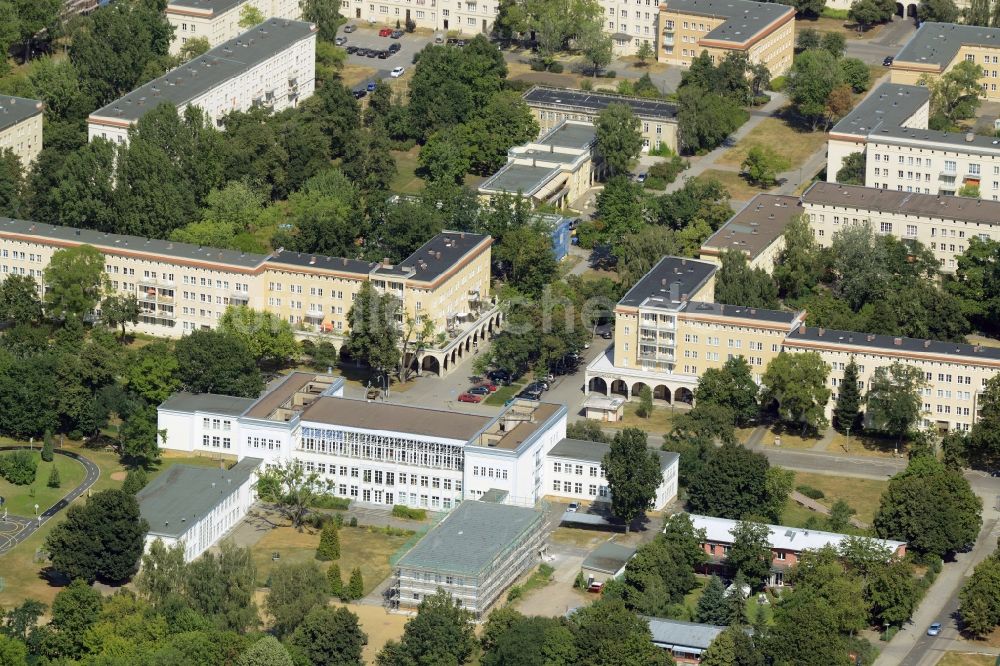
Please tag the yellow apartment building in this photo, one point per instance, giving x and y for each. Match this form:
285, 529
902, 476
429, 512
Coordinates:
937, 47
182, 288
21, 127
764, 31
218, 21
756, 231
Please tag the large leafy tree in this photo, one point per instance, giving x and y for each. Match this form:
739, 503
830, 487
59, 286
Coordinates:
292, 489
102, 539
19, 301
12, 186
731, 386
504, 122
620, 207
733, 647
955, 94
705, 119
797, 270
441, 633
732, 483
525, 255
326, 16
221, 586
533, 641
619, 140
814, 75
893, 402
329, 637
750, 554
294, 590
267, 336
931, 507
983, 445
805, 632
796, 385
210, 361
375, 334
76, 281
738, 284
633, 473
979, 600
120, 310
608, 634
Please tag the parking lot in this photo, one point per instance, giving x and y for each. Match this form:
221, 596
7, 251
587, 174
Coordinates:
366, 37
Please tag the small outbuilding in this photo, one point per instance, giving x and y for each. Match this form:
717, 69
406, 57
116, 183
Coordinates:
606, 562
602, 408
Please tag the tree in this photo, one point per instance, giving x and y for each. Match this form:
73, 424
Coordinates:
222, 587
74, 611
731, 386
645, 51
738, 284
820, 573
267, 651
102, 539
808, 38
797, 269
619, 140
329, 637
53, 481
12, 186
852, 170
864, 13
329, 543
250, 16
211, 361
941, 11
891, 592
587, 430
504, 122
712, 606
12, 651
530, 641
620, 207
796, 385
633, 474
325, 15
645, 408
805, 632
19, 302
979, 599
894, 403
267, 336
706, 119
750, 553
294, 590
813, 77
118, 310
336, 583
983, 445
162, 572
374, 336
733, 647
835, 43
762, 166
930, 507
955, 94
194, 47
731, 484
596, 46
847, 412
355, 586
610, 635
47, 447
445, 157
292, 489
441, 633
854, 71
524, 258
75, 281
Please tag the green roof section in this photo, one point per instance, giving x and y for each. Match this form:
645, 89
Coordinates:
470, 539
212, 403
178, 498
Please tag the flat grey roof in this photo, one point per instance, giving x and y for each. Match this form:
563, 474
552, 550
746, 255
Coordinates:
227, 60
609, 557
470, 538
964, 209
568, 98
215, 6
580, 449
670, 633
438, 255
938, 43
322, 262
744, 18
741, 311
212, 403
653, 290
41, 232
521, 178
399, 418
889, 105
569, 135
17, 109
183, 494
966, 142
890, 343
756, 226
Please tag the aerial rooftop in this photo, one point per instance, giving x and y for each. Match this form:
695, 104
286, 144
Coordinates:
695, 308
719, 530
930, 206
596, 102
471, 538
365, 415
518, 424
808, 336
937, 44
569, 134
745, 19
756, 226
519, 178
208, 7
580, 449
889, 105
17, 109
678, 633
609, 557
193, 79
292, 394
669, 283
212, 403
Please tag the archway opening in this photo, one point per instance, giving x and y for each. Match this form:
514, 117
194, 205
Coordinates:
619, 387
637, 389
431, 364
684, 395
598, 385
661, 393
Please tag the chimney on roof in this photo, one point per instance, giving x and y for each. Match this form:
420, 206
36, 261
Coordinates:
802, 328
386, 262
927, 343
821, 331
675, 291
870, 337
970, 137
897, 341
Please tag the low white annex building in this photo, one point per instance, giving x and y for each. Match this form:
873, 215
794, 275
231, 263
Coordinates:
219, 20
272, 65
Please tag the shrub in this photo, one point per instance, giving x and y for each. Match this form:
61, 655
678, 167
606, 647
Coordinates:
810, 492
610, 74
411, 25
586, 85
667, 170
516, 592
47, 447
329, 543
888, 634
556, 68
19, 467
537, 66
663, 150
135, 481
580, 582
778, 83
356, 586
336, 582
331, 502
760, 100
655, 183
354, 521
54, 481
400, 511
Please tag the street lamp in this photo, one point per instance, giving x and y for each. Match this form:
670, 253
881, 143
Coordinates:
847, 447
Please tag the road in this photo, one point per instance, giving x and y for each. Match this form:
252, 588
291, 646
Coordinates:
30, 525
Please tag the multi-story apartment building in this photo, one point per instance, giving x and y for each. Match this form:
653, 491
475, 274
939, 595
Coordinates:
21, 127
787, 544
182, 288
219, 20
668, 331
554, 170
756, 231
271, 65
463, 17
937, 47
943, 224
765, 32
552, 106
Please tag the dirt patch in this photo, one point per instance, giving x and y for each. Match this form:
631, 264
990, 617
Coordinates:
118, 476
380, 626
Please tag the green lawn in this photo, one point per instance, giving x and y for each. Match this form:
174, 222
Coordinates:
503, 394
406, 180
21, 500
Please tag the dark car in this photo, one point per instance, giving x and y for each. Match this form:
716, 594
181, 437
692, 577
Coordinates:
499, 376
608, 334
479, 390
536, 387
394, 48
373, 53
351, 49
371, 86
460, 42
361, 51
350, 28
358, 94
383, 55
396, 34
888, 61
529, 395
340, 41
452, 41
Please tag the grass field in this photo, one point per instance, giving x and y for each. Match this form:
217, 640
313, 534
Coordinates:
359, 547
789, 440
406, 180
504, 393
353, 75
848, 28
739, 189
21, 500
792, 143
865, 445
966, 659
862, 494
656, 425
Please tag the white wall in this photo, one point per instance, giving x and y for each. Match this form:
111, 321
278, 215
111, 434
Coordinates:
587, 482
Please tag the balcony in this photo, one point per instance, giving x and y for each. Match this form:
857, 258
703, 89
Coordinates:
668, 39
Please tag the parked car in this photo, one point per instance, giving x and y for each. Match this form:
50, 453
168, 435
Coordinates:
350, 28
362, 52
641, 178
373, 53
452, 41
573, 507
438, 38
396, 72
359, 93
383, 55
394, 48
470, 397
351, 49
479, 390
371, 86
536, 387
460, 43
934, 629
499, 376
529, 395
396, 34
608, 334
888, 61
340, 41
489, 386
385, 32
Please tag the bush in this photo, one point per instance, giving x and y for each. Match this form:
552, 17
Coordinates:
580, 582
400, 511
54, 481
19, 467
135, 480
411, 25
663, 150
538, 66
586, 85
778, 83
516, 592
556, 68
810, 492
329, 543
610, 74
653, 183
888, 634
354, 521
331, 502
760, 100
667, 170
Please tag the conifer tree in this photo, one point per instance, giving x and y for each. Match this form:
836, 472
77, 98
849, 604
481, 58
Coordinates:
336, 582
54, 481
713, 607
47, 447
848, 410
356, 586
329, 543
